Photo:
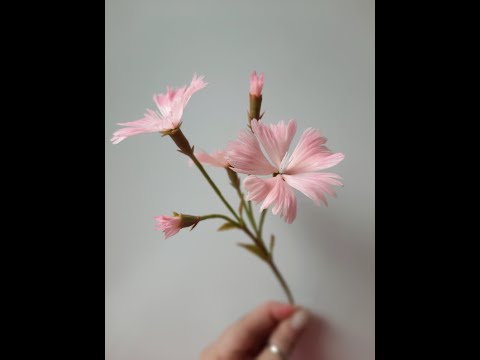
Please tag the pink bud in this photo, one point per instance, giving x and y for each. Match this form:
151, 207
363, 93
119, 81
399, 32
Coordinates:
171, 225
256, 84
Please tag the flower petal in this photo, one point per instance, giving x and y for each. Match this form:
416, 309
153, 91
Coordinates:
196, 84
314, 185
258, 188
148, 124
217, 158
311, 154
165, 102
170, 225
122, 134
275, 138
273, 192
246, 157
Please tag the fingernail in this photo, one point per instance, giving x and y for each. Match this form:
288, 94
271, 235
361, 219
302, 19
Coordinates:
299, 320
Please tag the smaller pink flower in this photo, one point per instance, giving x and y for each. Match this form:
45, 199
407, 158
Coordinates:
256, 84
168, 117
217, 158
170, 225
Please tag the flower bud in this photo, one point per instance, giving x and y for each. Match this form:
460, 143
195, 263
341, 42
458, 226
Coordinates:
171, 225
256, 87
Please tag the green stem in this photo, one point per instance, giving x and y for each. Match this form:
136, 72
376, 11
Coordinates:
212, 184
282, 281
220, 216
251, 217
184, 147
262, 220
248, 210
269, 260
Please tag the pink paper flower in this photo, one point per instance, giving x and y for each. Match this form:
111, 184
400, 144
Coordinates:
217, 158
168, 117
256, 84
170, 225
296, 170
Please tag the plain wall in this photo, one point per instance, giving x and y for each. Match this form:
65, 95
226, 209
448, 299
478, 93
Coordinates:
167, 299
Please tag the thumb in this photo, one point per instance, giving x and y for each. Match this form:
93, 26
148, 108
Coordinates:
285, 336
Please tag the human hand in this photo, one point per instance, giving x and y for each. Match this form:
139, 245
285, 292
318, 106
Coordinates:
251, 337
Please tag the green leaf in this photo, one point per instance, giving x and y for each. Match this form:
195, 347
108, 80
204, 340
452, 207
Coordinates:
227, 226
272, 244
254, 249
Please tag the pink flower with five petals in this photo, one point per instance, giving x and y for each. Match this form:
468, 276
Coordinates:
297, 170
167, 118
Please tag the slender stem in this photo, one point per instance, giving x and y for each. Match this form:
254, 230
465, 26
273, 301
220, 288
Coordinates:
242, 204
269, 260
251, 217
262, 220
282, 281
220, 216
255, 240
248, 210
184, 147
212, 184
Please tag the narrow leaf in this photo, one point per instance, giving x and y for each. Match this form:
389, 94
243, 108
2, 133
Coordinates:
227, 226
254, 250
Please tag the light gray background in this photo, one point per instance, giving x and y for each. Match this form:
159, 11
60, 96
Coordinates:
167, 299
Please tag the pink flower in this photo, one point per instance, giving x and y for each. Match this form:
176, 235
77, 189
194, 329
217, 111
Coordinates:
217, 158
296, 170
170, 225
168, 117
256, 84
